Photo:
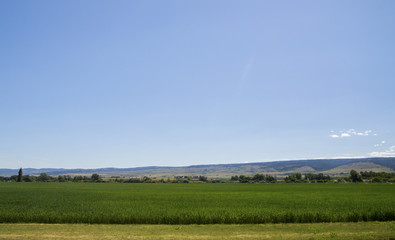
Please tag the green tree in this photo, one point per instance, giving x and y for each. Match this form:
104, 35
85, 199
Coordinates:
244, 179
203, 178
20, 175
296, 177
27, 178
355, 176
148, 179
43, 177
270, 179
234, 178
61, 178
14, 178
77, 179
95, 177
258, 177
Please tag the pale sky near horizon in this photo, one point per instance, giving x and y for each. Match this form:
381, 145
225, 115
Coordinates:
89, 84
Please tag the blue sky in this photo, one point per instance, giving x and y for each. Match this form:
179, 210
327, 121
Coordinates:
87, 84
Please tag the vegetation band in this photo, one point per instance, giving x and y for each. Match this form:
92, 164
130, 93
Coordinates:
205, 203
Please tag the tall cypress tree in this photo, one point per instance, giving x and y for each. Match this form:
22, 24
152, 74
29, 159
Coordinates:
20, 175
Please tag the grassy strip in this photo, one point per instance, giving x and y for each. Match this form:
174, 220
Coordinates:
363, 230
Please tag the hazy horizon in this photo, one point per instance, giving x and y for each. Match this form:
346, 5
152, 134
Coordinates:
208, 164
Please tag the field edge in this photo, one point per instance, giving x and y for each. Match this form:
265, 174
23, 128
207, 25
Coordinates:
360, 230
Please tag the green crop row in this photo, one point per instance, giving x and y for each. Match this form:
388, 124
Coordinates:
195, 203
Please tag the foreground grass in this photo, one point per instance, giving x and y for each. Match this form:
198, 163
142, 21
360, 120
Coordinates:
363, 230
195, 203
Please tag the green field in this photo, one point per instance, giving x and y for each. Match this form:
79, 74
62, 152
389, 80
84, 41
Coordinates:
194, 203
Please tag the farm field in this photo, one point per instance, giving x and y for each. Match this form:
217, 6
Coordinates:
116, 203
362, 230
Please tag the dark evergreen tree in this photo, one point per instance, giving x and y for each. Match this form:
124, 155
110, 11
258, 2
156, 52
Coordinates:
20, 175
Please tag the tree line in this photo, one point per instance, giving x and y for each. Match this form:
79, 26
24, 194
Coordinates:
257, 178
318, 178
293, 178
43, 177
378, 176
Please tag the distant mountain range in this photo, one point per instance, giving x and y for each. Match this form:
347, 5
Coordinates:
334, 167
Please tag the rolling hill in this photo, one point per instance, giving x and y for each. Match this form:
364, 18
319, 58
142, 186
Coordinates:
334, 167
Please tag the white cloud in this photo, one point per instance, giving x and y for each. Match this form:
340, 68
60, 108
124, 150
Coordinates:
345, 156
350, 132
380, 144
387, 153
366, 133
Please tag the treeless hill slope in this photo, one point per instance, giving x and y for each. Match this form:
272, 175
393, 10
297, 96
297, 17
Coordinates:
359, 166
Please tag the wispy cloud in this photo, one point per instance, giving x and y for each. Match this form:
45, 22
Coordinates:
347, 156
387, 153
246, 72
350, 132
380, 144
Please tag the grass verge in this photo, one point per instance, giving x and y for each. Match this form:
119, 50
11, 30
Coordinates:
361, 230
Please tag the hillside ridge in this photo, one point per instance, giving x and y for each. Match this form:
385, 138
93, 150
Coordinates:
278, 168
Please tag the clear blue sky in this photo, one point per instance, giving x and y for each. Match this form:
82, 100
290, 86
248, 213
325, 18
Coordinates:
87, 84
